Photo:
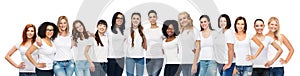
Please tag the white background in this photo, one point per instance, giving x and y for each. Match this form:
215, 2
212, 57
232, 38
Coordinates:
15, 14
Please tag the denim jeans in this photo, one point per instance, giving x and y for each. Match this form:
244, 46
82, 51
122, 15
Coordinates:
261, 72
27, 74
276, 71
154, 66
115, 66
172, 70
186, 69
227, 72
100, 69
44, 72
138, 63
244, 70
82, 68
207, 68
64, 68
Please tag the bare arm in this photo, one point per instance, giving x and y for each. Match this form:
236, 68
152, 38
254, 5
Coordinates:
261, 47
29, 57
278, 48
230, 55
196, 56
87, 56
8, 55
287, 43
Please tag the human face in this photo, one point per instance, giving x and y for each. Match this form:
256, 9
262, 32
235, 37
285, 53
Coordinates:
79, 27
152, 18
49, 31
204, 23
259, 27
223, 22
30, 32
101, 28
119, 20
240, 24
170, 30
135, 20
273, 26
183, 20
63, 25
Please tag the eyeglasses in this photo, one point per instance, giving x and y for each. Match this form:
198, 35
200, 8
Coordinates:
50, 30
119, 17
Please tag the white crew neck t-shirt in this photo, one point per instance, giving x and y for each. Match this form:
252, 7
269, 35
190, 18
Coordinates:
220, 45
241, 50
171, 50
154, 37
29, 67
207, 50
137, 51
100, 52
46, 54
187, 40
81, 45
63, 47
262, 58
117, 44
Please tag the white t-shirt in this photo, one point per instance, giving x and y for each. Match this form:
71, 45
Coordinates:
207, 50
154, 42
262, 58
137, 51
63, 47
241, 50
29, 67
46, 54
220, 45
100, 52
116, 43
272, 53
81, 45
171, 50
188, 39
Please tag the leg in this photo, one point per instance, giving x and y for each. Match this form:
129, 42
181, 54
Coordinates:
186, 69
211, 69
119, 66
97, 69
157, 66
276, 71
59, 68
203, 67
130, 66
70, 68
149, 66
140, 62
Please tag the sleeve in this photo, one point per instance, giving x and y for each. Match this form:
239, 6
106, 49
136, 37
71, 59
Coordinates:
90, 41
229, 36
18, 45
197, 34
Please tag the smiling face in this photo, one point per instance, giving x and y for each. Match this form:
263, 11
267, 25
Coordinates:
204, 23
135, 20
170, 30
79, 27
119, 20
223, 22
259, 27
63, 25
30, 32
240, 24
152, 18
101, 28
273, 26
49, 31
183, 20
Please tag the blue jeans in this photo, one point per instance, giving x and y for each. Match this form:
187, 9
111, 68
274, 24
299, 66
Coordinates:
207, 68
186, 69
276, 71
154, 66
100, 69
227, 72
64, 68
44, 72
261, 72
26, 74
172, 70
82, 68
138, 63
115, 66
244, 70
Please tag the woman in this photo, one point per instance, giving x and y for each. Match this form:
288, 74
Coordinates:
224, 45
136, 48
84, 43
261, 65
171, 47
207, 65
274, 32
100, 45
190, 40
115, 64
28, 38
242, 47
154, 54
44, 66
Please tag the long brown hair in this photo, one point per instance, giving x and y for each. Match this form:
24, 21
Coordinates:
77, 34
24, 35
140, 29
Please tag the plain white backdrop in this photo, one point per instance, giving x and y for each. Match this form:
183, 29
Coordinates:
15, 14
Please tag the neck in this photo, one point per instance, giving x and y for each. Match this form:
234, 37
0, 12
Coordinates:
271, 33
154, 25
240, 32
63, 33
29, 40
206, 30
46, 38
100, 34
135, 27
259, 34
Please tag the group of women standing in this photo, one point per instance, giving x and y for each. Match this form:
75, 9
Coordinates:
185, 49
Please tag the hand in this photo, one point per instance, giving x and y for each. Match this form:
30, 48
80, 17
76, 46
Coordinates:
74, 43
39, 41
21, 65
90, 34
226, 66
269, 63
40, 65
249, 57
194, 51
282, 61
92, 67
194, 68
